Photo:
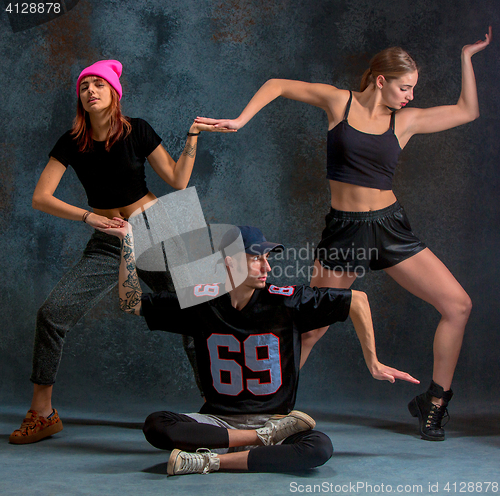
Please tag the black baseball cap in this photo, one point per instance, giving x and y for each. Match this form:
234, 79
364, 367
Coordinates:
255, 242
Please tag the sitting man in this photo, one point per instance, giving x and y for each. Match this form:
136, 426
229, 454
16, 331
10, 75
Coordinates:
248, 352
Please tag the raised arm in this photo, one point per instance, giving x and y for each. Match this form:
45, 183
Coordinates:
431, 120
361, 317
44, 199
177, 174
320, 95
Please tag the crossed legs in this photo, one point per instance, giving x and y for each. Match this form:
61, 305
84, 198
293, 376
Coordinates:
304, 450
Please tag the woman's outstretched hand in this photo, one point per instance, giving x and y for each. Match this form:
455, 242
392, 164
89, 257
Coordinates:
201, 124
470, 50
224, 125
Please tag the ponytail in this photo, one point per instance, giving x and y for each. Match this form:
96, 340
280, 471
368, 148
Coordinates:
366, 80
391, 63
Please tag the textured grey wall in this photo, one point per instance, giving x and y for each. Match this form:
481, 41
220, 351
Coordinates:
187, 58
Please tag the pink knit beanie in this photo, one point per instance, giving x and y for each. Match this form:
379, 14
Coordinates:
110, 70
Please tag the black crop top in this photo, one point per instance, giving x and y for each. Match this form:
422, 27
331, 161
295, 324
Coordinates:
111, 179
360, 158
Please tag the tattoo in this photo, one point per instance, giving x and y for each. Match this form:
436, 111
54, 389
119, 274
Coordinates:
189, 150
126, 307
133, 297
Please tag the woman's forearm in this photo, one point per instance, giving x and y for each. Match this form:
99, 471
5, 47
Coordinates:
268, 92
184, 165
468, 97
49, 204
53, 206
176, 174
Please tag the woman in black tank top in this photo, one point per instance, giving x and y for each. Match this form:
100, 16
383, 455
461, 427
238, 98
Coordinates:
366, 132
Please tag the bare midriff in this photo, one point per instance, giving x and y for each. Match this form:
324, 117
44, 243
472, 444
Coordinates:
353, 198
127, 211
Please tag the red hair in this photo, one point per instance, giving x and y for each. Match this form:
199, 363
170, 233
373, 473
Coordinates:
119, 128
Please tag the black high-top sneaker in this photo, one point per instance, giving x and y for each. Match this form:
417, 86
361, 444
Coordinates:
430, 415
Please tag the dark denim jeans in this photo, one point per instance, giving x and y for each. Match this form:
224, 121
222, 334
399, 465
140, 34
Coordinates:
75, 295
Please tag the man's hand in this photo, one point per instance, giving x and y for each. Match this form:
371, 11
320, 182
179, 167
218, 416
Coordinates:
120, 230
382, 372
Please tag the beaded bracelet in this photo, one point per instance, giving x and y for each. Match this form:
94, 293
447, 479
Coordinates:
85, 215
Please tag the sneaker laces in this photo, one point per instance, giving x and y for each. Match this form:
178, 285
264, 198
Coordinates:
283, 427
199, 461
30, 422
27, 422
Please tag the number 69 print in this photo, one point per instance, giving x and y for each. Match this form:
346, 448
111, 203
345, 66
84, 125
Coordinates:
227, 374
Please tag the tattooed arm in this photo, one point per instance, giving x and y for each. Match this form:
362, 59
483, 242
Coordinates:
177, 174
129, 289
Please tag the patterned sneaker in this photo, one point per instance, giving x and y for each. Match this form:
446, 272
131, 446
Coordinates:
201, 462
280, 427
34, 428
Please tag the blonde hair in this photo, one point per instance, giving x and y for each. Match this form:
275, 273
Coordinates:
391, 63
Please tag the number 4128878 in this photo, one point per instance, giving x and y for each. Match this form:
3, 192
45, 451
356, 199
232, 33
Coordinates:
33, 8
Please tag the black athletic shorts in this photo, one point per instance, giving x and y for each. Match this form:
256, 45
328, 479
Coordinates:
377, 239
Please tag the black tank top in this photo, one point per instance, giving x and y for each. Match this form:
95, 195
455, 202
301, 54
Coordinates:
360, 158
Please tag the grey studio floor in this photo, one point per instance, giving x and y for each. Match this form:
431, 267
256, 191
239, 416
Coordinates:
377, 450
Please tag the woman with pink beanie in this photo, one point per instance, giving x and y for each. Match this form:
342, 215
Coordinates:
107, 151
